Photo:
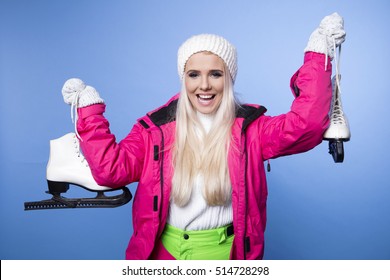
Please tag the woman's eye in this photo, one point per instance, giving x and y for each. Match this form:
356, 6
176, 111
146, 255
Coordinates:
216, 74
193, 74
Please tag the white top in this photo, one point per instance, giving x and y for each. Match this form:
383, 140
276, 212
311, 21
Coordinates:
196, 214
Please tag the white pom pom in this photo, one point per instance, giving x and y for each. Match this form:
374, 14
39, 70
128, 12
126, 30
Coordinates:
73, 85
70, 88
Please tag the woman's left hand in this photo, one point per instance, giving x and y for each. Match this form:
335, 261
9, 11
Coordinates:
327, 36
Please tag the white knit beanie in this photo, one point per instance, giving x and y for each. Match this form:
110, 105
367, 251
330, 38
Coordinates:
208, 42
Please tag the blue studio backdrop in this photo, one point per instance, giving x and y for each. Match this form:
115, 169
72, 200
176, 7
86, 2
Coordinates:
317, 209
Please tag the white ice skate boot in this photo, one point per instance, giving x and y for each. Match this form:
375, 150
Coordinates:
338, 130
66, 166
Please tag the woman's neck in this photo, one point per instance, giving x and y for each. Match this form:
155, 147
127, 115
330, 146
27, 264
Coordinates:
206, 120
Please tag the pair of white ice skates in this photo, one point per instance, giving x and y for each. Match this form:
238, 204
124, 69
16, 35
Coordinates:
67, 165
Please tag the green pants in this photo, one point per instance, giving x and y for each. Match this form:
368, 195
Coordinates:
212, 244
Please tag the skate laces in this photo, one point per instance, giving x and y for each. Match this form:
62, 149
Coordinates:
337, 114
78, 150
74, 114
326, 52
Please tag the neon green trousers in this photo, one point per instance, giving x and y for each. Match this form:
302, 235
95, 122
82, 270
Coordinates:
212, 244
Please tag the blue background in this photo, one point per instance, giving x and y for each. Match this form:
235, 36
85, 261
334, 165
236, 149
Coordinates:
317, 209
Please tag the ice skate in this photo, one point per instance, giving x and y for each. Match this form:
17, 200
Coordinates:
67, 166
338, 131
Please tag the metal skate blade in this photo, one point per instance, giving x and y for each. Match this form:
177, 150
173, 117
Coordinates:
100, 201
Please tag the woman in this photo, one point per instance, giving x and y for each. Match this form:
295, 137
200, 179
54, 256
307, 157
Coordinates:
198, 159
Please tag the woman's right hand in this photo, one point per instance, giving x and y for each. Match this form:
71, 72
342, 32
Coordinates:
75, 92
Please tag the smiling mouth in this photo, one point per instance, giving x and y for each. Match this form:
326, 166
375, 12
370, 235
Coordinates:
205, 97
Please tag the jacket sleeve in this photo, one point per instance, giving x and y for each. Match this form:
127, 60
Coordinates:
112, 164
302, 128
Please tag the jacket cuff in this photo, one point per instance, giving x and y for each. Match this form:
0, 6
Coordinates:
309, 57
95, 109
318, 57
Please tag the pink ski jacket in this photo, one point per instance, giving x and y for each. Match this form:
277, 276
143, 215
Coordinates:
145, 156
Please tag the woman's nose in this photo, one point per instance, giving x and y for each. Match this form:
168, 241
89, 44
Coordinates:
205, 84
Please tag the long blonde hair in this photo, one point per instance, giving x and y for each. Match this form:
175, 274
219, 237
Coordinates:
205, 154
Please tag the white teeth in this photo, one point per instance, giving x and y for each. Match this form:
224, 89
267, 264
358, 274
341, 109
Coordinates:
205, 96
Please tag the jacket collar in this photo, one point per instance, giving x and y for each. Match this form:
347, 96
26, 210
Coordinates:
167, 114
249, 113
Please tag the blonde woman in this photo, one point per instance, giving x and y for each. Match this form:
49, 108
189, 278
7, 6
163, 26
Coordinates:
198, 159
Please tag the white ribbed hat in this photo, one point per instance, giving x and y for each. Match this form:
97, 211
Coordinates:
208, 42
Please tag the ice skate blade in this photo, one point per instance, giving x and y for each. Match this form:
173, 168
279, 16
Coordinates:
336, 149
100, 201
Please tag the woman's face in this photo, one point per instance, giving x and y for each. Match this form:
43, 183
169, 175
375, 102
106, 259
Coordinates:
204, 81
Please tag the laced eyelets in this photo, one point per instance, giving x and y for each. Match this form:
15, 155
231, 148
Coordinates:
78, 151
337, 114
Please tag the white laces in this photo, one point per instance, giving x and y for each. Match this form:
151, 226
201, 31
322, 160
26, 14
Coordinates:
337, 114
78, 151
326, 52
74, 114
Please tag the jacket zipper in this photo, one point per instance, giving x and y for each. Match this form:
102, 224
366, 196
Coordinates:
161, 172
245, 241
